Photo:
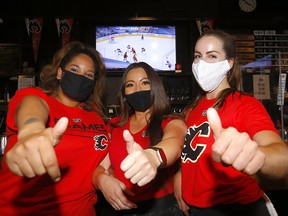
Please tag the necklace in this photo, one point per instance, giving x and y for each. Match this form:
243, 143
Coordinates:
145, 133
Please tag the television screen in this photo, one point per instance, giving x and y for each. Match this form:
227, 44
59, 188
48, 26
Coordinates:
123, 45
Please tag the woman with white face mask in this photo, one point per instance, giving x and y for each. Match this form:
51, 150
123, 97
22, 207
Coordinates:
230, 139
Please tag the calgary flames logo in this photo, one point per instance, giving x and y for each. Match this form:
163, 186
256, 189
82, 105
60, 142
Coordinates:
100, 142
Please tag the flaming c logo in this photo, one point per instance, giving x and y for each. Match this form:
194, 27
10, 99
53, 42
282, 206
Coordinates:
64, 26
189, 152
100, 142
34, 26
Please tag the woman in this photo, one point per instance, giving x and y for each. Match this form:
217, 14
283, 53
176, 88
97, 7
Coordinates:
223, 149
153, 136
56, 138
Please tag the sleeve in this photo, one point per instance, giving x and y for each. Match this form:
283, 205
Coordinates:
14, 102
166, 121
109, 126
252, 117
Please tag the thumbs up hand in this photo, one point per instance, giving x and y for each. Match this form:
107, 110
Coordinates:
34, 153
139, 166
234, 148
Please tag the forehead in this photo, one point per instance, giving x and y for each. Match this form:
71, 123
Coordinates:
136, 74
81, 57
209, 43
82, 60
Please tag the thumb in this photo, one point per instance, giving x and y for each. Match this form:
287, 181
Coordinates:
128, 138
131, 146
59, 129
214, 122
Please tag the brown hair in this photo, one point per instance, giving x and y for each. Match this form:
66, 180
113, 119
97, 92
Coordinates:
48, 75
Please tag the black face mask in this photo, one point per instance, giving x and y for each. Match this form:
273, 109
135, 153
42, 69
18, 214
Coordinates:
75, 86
139, 101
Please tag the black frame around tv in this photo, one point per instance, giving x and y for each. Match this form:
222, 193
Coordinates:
121, 45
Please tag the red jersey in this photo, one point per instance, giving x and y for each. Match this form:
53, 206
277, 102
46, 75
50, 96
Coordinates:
82, 147
206, 183
163, 183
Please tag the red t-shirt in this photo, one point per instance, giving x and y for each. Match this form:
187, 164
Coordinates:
163, 183
206, 183
82, 147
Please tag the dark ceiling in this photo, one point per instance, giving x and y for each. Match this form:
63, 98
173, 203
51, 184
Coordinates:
228, 11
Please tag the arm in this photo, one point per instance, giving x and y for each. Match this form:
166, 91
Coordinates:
172, 141
34, 153
265, 152
140, 166
112, 189
276, 153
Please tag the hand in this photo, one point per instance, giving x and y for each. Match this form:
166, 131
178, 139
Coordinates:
234, 148
115, 192
178, 194
35, 155
139, 166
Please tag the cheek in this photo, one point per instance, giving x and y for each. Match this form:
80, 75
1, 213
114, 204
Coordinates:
145, 87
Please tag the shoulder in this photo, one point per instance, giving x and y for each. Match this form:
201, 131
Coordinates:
243, 99
32, 91
175, 120
114, 120
242, 103
111, 122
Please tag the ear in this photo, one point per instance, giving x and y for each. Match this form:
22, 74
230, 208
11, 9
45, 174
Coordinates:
231, 62
59, 73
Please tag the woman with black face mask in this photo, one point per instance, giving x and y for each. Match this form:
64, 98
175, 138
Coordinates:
146, 141
56, 138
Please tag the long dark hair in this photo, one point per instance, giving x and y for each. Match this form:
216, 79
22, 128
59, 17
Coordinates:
159, 110
233, 76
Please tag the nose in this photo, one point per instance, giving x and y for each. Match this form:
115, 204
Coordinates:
138, 88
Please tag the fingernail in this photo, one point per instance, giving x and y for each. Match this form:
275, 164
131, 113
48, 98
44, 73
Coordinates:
57, 179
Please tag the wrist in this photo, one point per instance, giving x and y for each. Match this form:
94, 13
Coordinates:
27, 130
161, 157
100, 179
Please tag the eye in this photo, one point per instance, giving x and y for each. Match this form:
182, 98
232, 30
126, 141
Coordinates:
146, 82
73, 69
127, 85
90, 75
212, 56
197, 56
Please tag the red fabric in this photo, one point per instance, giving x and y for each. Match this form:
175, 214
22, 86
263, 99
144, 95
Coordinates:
163, 183
78, 153
206, 183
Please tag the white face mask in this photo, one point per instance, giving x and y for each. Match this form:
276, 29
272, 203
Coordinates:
210, 75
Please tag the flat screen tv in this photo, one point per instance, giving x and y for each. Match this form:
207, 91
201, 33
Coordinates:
125, 44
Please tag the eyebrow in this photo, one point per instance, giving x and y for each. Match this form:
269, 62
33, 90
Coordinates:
89, 70
209, 52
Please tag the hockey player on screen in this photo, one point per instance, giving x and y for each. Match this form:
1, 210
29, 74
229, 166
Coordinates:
168, 63
135, 58
125, 57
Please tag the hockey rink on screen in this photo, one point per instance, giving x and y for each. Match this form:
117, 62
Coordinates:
120, 51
